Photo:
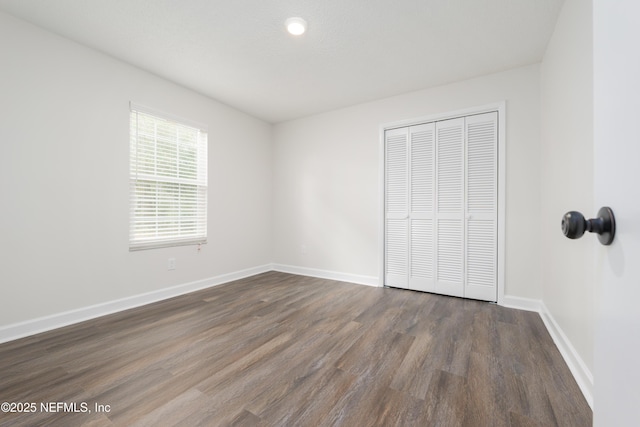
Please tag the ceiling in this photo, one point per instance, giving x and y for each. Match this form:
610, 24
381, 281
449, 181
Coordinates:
238, 51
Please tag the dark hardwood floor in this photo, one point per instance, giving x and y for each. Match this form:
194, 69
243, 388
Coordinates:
284, 350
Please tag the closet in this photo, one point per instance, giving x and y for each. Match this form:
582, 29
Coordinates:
441, 206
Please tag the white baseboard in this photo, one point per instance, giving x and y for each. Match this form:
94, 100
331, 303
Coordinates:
579, 369
47, 323
520, 303
327, 274
576, 365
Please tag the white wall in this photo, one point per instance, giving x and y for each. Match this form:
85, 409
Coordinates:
567, 266
64, 173
326, 186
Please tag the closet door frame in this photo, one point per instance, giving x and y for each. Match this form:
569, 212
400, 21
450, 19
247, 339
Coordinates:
500, 109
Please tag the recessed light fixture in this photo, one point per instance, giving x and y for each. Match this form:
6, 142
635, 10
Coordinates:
296, 26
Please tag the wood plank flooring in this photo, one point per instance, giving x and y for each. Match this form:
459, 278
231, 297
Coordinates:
285, 350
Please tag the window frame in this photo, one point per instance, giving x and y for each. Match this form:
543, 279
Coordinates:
180, 229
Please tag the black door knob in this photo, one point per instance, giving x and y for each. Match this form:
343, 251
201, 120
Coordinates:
574, 225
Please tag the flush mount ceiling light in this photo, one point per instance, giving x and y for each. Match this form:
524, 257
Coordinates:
296, 26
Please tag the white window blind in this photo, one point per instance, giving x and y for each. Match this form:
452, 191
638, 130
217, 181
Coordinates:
168, 181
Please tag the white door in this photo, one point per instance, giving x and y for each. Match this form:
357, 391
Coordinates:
396, 207
421, 217
441, 215
617, 184
481, 210
449, 241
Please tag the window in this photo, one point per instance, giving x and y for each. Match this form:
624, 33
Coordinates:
168, 181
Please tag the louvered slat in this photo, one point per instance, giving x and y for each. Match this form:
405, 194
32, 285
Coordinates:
481, 167
422, 169
481, 253
422, 248
396, 174
450, 243
396, 253
450, 166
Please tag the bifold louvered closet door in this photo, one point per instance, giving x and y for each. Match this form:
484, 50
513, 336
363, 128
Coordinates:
441, 207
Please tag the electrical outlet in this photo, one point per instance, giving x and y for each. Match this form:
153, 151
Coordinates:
303, 249
171, 264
